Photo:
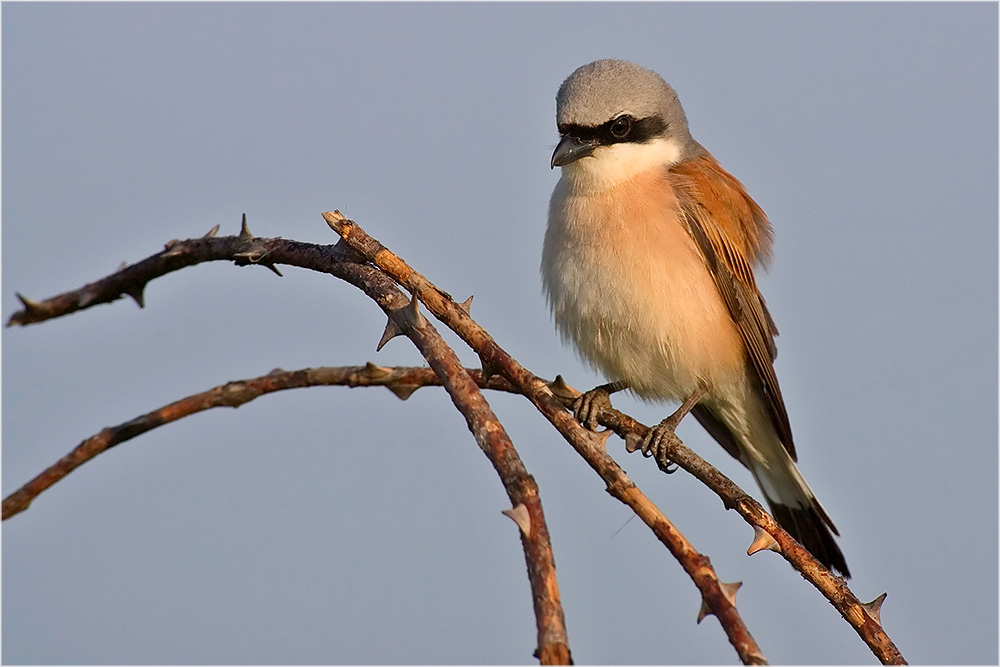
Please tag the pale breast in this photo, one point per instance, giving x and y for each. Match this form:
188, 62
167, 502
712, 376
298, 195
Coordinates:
629, 288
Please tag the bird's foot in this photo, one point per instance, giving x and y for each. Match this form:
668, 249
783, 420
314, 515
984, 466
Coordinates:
657, 442
589, 406
659, 439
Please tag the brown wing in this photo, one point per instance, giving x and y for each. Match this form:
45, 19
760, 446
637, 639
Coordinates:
733, 234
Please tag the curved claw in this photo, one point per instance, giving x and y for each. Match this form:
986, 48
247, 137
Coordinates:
654, 444
589, 405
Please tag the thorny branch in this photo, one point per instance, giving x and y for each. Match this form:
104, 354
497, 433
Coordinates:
549, 398
862, 617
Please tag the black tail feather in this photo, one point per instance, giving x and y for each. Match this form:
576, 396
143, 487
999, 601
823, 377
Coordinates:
812, 532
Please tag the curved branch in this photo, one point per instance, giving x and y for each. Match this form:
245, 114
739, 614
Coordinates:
834, 588
402, 381
553, 646
338, 261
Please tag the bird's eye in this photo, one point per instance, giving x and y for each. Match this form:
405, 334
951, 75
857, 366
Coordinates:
621, 127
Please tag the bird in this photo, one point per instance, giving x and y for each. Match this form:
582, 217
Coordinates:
648, 268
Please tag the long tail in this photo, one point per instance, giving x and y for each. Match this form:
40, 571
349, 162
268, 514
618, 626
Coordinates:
793, 504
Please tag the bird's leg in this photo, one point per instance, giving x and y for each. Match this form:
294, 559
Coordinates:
654, 443
589, 405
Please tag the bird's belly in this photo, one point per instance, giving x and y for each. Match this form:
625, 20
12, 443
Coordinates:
629, 288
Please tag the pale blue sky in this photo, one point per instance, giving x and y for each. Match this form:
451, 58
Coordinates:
339, 525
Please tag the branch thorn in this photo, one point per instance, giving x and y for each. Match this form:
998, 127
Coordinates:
762, 540
211, 233
560, 389
874, 608
467, 305
521, 517
374, 372
403, 391
391, 331
136, 293
30, 305
245, 231
413, 313
172, 247
728, 591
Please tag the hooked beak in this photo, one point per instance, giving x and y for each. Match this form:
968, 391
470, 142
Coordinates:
571, 149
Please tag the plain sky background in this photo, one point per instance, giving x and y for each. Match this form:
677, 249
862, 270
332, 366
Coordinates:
336, 525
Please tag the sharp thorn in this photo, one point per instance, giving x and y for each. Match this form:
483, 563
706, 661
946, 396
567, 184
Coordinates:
413, 312
728, 591
172, 247
560, 389
391, 331
703, 611
403, 391
762, 540
874, 608
137, 294
274, 268
29, 304
373, 372
602, 437
467, 305
632, 442
244, 230
211, 233
521, 517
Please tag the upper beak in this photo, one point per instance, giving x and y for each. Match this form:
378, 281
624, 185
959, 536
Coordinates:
571, 149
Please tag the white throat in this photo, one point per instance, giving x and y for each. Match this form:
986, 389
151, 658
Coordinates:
610, 165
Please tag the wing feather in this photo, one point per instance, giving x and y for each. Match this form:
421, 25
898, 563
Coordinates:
733, 234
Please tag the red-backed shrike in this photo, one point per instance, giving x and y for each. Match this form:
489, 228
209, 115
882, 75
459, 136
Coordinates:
648, 267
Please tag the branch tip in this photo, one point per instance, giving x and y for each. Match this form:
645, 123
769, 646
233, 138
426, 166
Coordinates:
335, 220
762, 541
874, 608
521, 517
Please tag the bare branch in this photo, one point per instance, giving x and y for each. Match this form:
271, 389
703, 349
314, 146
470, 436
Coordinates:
232, 395
339, 261
553, 646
